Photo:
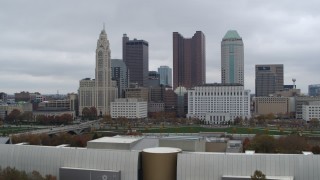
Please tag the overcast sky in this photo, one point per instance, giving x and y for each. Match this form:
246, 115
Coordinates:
48, 46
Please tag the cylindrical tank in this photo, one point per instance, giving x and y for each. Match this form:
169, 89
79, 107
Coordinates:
160, 163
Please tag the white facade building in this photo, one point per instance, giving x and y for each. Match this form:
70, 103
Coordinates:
130, 108
218, 103
311, 112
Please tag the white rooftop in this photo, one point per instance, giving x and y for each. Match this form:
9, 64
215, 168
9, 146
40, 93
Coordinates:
117, 139
162, 150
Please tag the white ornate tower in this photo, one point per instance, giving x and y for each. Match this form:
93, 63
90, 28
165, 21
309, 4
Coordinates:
103, 75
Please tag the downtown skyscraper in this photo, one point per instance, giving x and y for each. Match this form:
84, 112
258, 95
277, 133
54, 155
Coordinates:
99, 92
120, 74
135, 54
165, 73
269, 79
189, 60
232, 58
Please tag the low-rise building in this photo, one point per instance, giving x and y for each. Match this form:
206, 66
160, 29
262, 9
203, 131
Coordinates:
304, 100
311, 111
131, 108
274, 105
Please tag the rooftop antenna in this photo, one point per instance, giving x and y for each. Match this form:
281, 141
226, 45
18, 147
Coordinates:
104, 26
294, 82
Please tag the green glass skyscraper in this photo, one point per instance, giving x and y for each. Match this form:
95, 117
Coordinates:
232, 58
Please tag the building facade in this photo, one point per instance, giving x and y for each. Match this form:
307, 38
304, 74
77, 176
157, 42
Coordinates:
135, 54
232, 58
189, 60
269, 79
155, 107
314, 90
274, 105
304, 100
138, 93
156, 94
218, 103
3, 97
86, 93
120, 74
130, 108
165, 73
311, 111
153, 79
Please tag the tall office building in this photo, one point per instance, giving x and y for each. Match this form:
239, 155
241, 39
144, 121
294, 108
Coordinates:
269, 79
314, 90
189, 60
135, 54
99, 92
232, 58
104, 89
165, 73
120, 74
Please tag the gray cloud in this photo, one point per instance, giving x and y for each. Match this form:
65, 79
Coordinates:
49, 45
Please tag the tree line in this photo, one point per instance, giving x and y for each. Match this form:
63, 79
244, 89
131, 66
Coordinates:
16, 117
291, 144
55, 140
9, 173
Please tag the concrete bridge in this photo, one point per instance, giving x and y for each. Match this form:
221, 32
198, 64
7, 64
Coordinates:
71, 129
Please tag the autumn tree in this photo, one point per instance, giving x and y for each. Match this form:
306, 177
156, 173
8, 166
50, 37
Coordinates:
258, 175
245, 144
261, 119
85, 113
252, 122
12, 174
1, 122
314, 123
315, 149
107, 119
292, 144
93, 113
263, 144
26, 116
65, 119
13, 116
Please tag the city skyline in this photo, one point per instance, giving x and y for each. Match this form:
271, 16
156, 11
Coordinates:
48, 50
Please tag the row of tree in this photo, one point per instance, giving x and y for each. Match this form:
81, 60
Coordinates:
292, 144
55, 140
89, 113
12, 174
56, 120
16, 116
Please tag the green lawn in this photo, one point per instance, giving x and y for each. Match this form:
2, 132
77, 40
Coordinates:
230, 130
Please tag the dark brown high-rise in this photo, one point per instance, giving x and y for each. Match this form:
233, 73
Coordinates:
189, 60
135, 54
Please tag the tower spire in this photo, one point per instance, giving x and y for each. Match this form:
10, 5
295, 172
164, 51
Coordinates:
104, 26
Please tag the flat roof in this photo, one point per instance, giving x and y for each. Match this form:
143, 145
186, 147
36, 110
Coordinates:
161, 150
117, 139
